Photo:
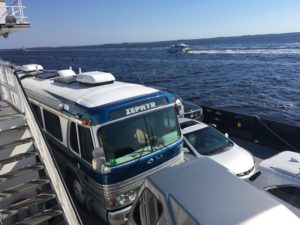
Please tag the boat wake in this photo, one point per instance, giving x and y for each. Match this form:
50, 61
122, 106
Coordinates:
247, 51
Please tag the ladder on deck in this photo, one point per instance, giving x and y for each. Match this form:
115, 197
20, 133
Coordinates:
31, 189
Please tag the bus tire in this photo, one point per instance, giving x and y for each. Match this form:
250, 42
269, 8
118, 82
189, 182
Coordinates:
76, 189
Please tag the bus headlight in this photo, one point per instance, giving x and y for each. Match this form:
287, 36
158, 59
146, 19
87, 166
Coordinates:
121, 200
131, 195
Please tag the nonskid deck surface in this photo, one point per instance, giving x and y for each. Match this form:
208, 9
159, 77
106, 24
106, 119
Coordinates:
259, 151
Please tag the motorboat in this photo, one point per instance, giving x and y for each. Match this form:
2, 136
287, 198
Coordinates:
179, 48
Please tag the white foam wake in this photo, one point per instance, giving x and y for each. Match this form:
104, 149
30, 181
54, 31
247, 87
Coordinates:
247, 51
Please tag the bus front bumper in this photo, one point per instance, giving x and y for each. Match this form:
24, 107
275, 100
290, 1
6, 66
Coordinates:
118, 217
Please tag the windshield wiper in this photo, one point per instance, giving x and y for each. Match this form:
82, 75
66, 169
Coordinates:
141, 152
227, 146
152, 138
219, 150
145, 147
210, 153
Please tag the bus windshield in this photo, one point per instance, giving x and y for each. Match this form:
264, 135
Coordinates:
138, 136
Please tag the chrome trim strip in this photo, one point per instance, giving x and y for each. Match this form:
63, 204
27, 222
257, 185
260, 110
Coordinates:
134, 182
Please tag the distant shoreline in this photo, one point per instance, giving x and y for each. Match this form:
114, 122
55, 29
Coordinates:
267, 37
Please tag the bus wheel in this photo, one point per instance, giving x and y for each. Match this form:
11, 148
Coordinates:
78, 191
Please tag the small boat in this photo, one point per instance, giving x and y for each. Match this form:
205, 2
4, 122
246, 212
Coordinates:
179, 48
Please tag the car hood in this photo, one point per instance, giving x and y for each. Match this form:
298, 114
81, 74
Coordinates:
236, 159
190, 106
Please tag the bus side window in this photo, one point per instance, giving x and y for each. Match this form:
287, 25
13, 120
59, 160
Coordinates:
73, 138
37, 111
52, 124
86, 143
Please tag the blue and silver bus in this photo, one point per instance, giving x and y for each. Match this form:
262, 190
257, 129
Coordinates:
107, 136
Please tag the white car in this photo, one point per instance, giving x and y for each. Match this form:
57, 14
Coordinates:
280, 176
203, 140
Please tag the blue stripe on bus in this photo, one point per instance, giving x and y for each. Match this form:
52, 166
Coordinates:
122, 172
100, 114
134, 168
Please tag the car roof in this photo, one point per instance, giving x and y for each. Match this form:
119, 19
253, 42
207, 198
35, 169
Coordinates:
286, 162
211, 195
190, 125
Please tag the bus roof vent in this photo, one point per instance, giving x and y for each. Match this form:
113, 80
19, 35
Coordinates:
32, 68
95, 77
66, 73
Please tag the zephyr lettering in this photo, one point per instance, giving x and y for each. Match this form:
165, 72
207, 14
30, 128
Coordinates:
127, 111
140, 108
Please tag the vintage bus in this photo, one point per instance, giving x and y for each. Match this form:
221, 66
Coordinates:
106, 135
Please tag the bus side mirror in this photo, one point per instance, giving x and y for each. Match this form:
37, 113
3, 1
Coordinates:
179, 108
185, 150
99, 161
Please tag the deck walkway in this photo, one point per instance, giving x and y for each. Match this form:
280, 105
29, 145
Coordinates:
259, 151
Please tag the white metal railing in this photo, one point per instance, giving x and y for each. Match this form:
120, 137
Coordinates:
15, 9
12, 92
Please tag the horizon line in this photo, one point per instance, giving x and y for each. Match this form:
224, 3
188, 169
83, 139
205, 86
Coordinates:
149, 42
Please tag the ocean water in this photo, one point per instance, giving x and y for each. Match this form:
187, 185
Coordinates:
253, 75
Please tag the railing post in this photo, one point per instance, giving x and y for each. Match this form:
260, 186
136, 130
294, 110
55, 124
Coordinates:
21, 7
4, 83
16, 9
1, 88
15, 95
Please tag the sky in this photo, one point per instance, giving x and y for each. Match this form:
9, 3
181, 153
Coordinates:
88, 22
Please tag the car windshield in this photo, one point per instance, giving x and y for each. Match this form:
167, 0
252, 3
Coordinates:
132, 138
208, 141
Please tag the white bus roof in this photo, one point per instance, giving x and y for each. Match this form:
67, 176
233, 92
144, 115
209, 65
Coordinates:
85, 95
212, 195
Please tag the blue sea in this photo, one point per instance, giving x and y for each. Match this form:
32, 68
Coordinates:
253, 75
